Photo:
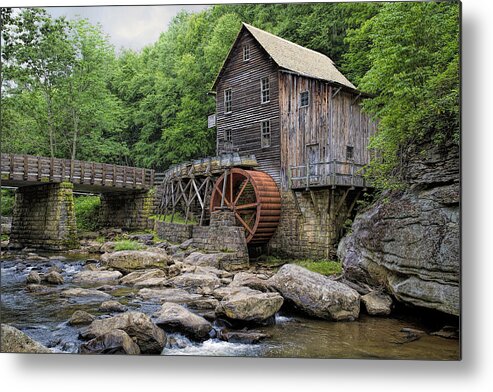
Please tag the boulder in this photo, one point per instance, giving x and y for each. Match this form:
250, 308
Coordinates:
316, 294
33, 278
130, 260
112, 342
408, 242
150, 338
53, 277
377, 304
151, 282
175, 318
184, 245
251, 280
78, 292
138, 276
15, 341
247, 305
243, 336
168, 295
80, 317
112, 306
223, 261
91, 278
39, 289
199, 283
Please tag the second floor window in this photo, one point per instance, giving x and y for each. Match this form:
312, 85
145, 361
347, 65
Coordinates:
349, 153
265, 134
264, 90
246, 52
304, 98
228, 95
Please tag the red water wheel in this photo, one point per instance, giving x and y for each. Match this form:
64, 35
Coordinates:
254, 198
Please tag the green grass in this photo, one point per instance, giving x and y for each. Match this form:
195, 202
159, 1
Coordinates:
177, 219
324, 267
127, 245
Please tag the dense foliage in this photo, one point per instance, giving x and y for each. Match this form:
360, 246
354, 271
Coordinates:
7, 199
66, 93
87, 212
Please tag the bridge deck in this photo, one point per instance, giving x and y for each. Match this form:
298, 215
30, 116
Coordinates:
23, 170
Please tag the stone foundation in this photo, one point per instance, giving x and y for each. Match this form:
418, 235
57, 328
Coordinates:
129, 210
44, 217
221, 236
310, 226
173, 232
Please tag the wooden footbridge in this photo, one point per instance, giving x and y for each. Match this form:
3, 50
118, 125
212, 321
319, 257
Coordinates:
22, 170
44, 212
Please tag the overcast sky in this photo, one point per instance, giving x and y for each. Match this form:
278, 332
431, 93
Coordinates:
128, 26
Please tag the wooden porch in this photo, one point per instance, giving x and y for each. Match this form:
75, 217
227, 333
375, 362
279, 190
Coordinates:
328, 174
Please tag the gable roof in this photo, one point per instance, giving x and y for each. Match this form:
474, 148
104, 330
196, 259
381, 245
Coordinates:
294, 58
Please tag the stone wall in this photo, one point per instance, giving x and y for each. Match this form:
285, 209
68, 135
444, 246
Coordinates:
310, 225
221, 236
44, 217
173, 232
129, 210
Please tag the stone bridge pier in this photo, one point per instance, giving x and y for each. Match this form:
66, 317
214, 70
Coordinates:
44, 215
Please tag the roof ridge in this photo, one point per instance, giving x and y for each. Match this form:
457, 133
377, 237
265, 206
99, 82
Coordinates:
248, 26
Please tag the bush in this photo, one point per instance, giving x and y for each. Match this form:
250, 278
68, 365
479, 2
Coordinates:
127, 245
87, 212
7, 202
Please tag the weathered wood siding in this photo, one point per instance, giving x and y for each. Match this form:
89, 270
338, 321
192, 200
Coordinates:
247, 110
329, 124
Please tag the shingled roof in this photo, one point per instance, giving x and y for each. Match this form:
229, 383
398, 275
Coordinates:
295, 58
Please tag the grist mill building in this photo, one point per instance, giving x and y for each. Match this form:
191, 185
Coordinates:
295, 140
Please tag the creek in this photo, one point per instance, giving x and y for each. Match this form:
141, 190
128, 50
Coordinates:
43, 316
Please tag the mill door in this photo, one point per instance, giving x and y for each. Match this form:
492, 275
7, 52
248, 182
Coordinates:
313, 159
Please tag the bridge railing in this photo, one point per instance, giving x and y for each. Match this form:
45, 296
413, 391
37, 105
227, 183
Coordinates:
28, 168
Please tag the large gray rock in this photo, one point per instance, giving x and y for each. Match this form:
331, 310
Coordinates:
91, 278
175, 318
139, 276
409, 242
53, 277
33, 278
84, 293
150, 338
15, 341
247, 305
112, 342
199, 283
81, 317
130, 260
251, 280
377, 304
112, 306
316, 294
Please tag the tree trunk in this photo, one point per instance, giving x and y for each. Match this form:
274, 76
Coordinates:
75, 120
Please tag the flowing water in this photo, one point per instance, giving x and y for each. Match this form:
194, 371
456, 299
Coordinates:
44, 315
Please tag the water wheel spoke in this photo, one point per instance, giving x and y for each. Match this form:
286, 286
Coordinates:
245, 183
247, 206
225, 198
245, 225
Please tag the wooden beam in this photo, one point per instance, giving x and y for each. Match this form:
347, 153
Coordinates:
315, 205
341, 201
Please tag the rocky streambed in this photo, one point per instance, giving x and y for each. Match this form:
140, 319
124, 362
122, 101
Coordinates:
174, 300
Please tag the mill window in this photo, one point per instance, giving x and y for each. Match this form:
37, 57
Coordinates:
349, 153
265, 134
228, 135
304, 99
265, 90
246, 52
228, 95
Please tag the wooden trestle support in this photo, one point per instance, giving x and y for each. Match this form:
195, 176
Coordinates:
252, 195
